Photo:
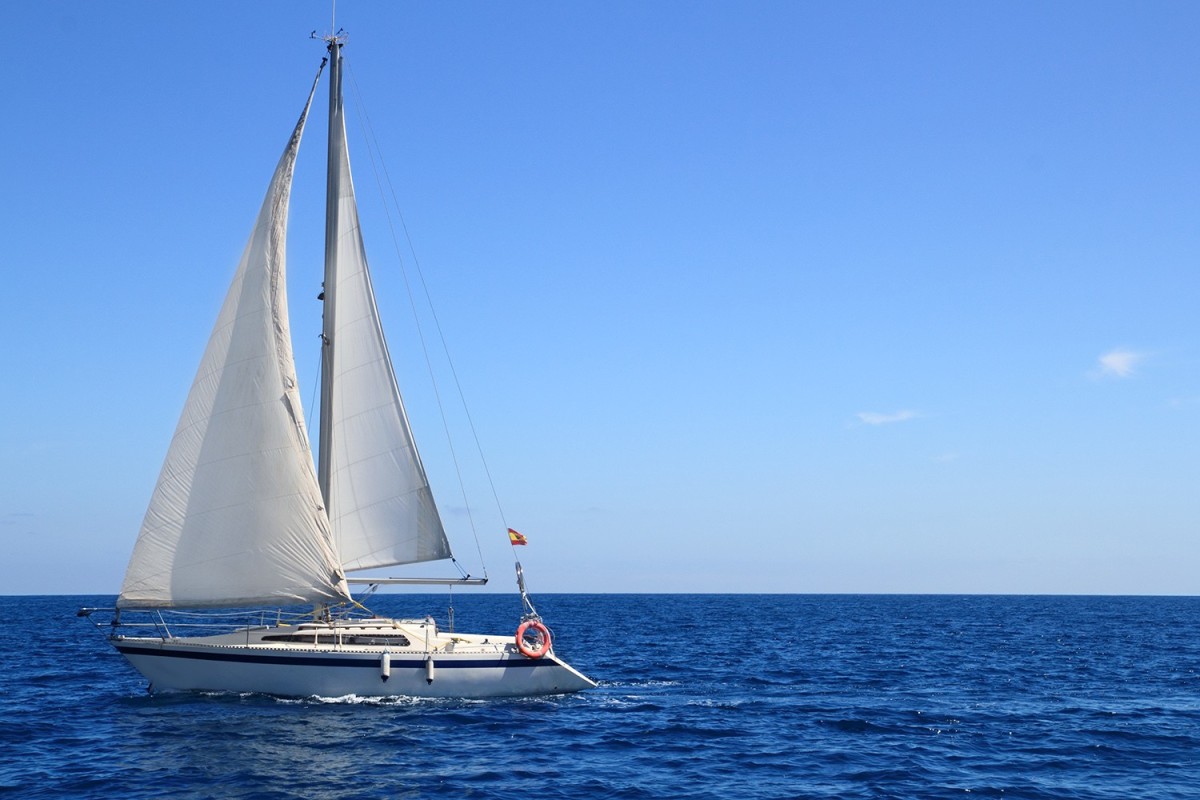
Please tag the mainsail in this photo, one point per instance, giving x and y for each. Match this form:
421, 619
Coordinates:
237, 516
379, 501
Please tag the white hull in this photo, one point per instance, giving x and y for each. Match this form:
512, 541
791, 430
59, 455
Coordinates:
275, 660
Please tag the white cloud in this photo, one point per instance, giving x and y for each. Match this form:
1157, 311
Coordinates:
876, 418
1119, 363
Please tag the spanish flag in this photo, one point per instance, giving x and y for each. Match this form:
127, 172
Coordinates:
515, 538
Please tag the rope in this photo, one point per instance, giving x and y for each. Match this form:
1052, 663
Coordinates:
359, 605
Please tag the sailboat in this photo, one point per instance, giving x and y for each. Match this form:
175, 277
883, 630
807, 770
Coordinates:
242, 517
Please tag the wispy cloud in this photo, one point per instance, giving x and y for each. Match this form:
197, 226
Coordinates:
1119, 363
876, 418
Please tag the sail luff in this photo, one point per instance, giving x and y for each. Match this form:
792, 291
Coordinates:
380, 504
237, 516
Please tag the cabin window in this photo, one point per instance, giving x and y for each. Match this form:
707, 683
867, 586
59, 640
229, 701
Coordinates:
301, 638
398, 640
378, 640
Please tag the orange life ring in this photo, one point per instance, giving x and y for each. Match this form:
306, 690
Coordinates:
542, 647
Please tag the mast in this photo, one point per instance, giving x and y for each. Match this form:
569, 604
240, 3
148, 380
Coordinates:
332, 193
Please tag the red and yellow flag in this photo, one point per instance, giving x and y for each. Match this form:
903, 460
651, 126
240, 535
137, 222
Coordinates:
515, 538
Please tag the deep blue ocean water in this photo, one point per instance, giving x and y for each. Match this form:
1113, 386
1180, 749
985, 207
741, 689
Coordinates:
701, 696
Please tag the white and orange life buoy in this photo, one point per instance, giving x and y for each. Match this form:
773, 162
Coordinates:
541, 646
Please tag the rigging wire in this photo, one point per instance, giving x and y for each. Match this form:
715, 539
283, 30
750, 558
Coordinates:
372, 150
312, 400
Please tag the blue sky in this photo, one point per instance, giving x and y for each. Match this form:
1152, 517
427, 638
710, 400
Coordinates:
772, 296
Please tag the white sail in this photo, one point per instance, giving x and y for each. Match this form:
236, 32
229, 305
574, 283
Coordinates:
380, 504
237, 516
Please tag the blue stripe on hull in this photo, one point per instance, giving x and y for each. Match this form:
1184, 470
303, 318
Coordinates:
363, 661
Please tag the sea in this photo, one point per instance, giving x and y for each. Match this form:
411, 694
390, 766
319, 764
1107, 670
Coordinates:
700, 696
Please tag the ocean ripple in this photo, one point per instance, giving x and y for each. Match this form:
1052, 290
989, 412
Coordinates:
840, 697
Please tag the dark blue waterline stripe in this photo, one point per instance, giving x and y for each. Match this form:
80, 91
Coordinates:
370, 662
